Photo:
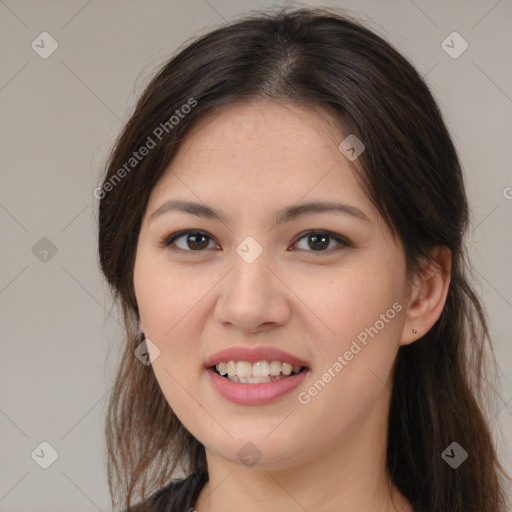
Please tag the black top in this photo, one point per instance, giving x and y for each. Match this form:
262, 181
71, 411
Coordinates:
177, 496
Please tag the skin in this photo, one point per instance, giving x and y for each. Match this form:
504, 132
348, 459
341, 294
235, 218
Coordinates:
329, 454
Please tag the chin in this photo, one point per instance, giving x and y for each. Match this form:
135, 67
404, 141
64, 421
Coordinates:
256, 450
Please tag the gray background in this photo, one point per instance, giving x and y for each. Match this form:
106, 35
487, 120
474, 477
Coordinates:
59, 117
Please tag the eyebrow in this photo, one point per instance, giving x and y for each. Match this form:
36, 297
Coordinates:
286, 214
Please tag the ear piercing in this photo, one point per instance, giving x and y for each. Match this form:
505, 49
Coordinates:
414, 331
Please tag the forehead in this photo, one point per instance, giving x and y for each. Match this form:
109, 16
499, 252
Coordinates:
263, 130
259, 156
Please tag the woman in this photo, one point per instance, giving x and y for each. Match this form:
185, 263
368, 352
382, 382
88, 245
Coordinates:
282, 220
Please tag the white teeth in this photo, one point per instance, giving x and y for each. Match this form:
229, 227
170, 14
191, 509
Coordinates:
286, 368
275, 368
243, 369
260, 371
250, 380
231, 368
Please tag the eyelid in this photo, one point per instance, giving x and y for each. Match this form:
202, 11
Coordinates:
168, 240
342, 241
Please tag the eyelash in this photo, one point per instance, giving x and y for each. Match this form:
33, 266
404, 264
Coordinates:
169, 239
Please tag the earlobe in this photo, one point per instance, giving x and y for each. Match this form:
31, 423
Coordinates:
428, 296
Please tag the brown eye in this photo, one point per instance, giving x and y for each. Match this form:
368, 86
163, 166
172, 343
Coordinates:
318, 241
194, 240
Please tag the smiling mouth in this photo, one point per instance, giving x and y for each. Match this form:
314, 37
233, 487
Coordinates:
260, 372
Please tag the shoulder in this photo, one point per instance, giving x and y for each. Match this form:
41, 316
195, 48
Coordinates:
178, 495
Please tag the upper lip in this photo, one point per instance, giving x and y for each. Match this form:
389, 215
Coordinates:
254, 355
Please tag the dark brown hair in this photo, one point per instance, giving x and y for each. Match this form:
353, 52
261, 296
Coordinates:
316, 57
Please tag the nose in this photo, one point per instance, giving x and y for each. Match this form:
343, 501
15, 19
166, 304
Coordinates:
252, 298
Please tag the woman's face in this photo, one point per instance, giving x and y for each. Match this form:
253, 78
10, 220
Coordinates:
255, 281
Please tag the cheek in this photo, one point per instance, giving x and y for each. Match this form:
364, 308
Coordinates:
164, 298
364, 309
173, 305
354, 370
347, 301
168, 305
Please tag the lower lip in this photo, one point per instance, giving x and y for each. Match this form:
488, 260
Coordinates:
255, 394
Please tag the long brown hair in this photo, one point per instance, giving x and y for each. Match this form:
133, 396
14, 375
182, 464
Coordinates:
315, 56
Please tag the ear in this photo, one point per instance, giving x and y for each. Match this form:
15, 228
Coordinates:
428, 296
141, 329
